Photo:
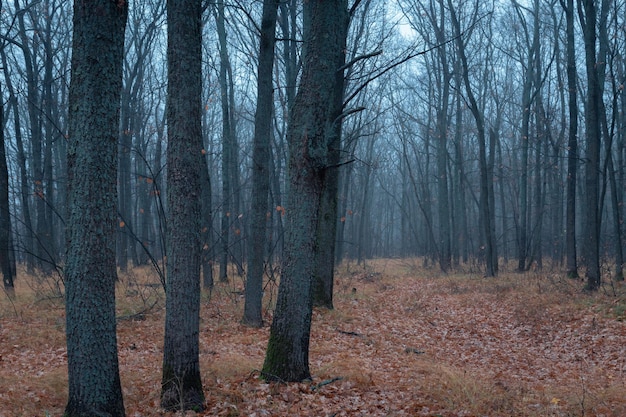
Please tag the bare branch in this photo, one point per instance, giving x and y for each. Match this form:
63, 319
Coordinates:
360, 58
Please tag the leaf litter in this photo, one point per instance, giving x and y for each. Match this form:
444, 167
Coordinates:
401, 341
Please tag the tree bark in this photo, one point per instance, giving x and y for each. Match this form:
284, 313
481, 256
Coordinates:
324, 264
591, 243
572, 145
5, 213
287, 356
181, 385
259, 209
90, 271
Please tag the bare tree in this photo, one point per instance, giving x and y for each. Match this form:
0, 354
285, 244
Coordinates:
287, 356
181, 385
260, 168
90, 270
5, 213
591, 243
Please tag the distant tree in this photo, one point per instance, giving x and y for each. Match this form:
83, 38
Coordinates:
571, 263
181, 383
5, 215
287, 356
260, 167
230, 244
591, 243
24, 193
90, 270
487, 215
206, 229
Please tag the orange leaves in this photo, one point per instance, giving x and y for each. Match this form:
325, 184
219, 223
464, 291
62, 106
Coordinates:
404, 343
147, 180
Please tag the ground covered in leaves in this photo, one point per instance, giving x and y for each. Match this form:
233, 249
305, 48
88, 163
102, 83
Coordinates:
402, 341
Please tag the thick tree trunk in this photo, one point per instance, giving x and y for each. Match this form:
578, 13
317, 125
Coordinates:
90, 270
287, 356
324, 264
181, 386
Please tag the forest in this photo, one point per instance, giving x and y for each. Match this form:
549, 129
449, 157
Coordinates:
262, 159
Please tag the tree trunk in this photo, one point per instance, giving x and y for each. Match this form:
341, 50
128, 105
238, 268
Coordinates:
124, 180
207, 226
228, 138
259, 209
181, 385
28, 239
90, 270
591, 246
484, 206
287, 356
5, 213
572, 145
324, 264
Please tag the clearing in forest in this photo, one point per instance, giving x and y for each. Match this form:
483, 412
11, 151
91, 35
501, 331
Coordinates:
402, 341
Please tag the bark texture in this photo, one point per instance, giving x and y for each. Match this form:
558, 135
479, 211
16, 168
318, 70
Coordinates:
181, 384
90, 272
287, 356
252, 315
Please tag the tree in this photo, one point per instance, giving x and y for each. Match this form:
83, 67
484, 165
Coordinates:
324, 262
5, 214
486, 212
230, 164
287, 356
260, 167
572, 143
181, 386
90, 271
591, 242
25, 218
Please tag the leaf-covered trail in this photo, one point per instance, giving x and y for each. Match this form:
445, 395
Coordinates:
400, 342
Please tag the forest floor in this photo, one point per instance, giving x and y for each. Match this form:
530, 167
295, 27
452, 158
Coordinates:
402, 341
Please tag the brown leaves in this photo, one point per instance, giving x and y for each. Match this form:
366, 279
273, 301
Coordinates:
405, 343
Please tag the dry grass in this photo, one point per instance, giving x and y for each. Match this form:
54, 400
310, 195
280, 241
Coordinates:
402, 341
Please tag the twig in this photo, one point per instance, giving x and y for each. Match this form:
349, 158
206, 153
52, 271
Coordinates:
413, 350
140, 315
326, 382
350, 333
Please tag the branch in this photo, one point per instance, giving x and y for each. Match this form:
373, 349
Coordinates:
396, 64
326, 382
339, 165
360, 58
350, 333
348, 113
354, 7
